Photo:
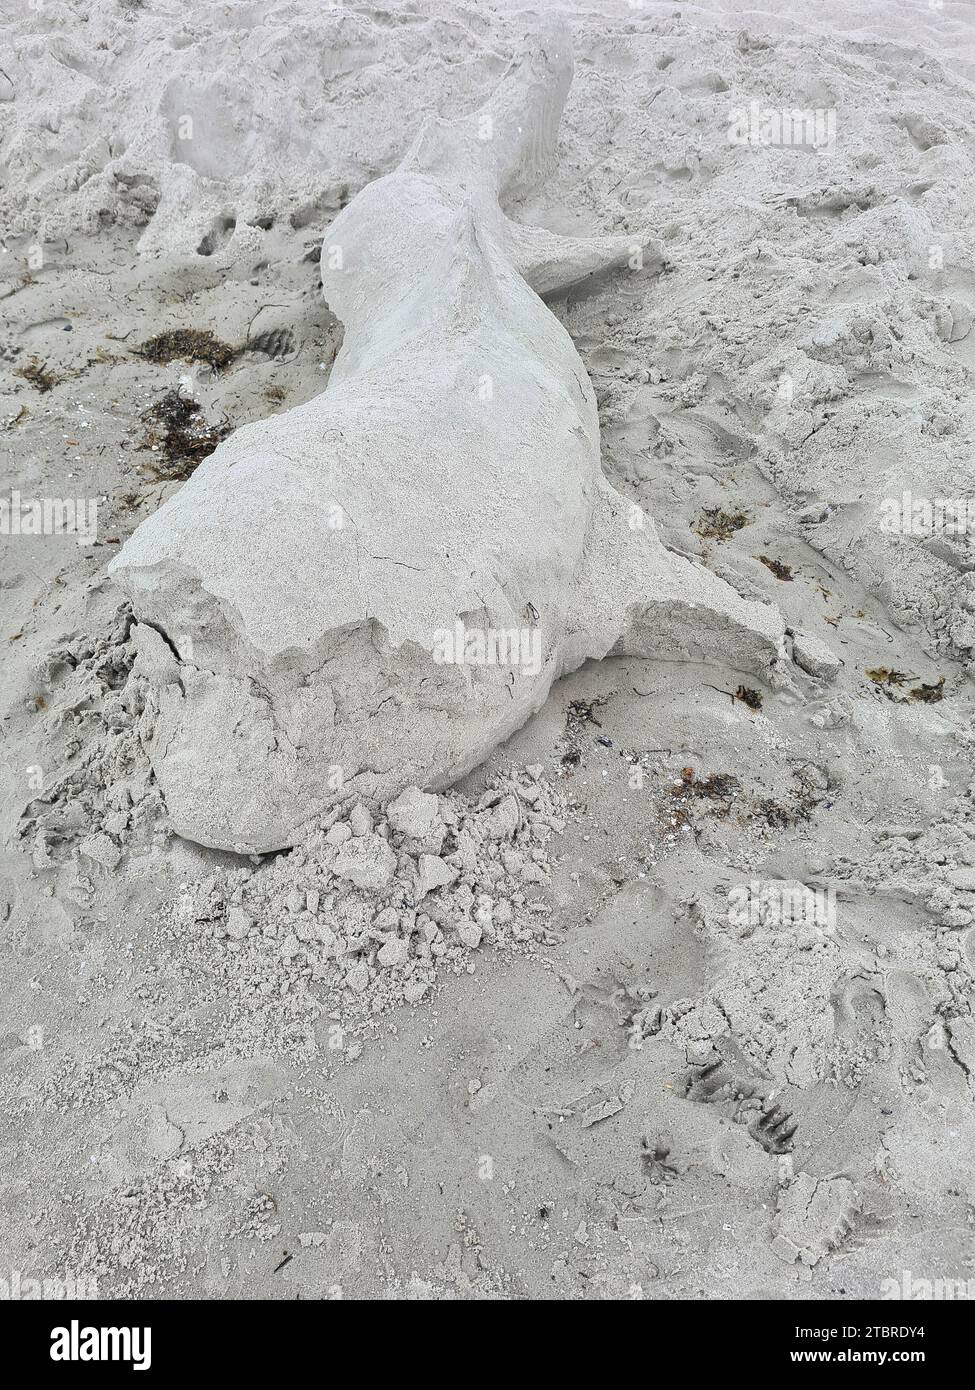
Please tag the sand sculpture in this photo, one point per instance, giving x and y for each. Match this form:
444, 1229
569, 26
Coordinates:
377, 588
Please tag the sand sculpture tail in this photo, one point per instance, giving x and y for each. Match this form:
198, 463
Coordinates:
505, 149
508, 145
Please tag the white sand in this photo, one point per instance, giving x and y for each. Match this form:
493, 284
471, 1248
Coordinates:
522, 1041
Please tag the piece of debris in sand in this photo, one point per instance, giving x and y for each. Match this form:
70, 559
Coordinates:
884, 676
778, 567
177, 432
37, 375
929, 694
717, 786
892, 684
188, 345
715, 524
749, 697
579, 714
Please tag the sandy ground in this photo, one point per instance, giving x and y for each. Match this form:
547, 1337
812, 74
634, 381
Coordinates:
627, 1091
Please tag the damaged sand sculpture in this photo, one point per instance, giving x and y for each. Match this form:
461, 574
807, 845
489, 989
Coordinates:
377, 588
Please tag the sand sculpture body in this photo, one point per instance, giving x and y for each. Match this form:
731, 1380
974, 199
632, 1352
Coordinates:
377, 588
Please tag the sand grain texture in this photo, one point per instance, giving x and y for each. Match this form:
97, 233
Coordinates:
514, 1037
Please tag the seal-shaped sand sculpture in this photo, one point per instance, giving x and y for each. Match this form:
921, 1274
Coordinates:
377, 588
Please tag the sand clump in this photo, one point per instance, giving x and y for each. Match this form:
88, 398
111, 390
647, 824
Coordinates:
813, 1218
377, 904
304, 953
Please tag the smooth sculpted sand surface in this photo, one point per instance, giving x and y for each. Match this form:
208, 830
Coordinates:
387, 579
